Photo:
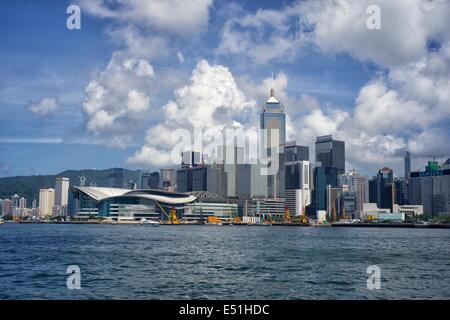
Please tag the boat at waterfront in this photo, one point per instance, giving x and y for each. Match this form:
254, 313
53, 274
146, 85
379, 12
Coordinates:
151, 223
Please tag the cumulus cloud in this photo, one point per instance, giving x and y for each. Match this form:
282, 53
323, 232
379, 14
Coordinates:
338, 26
176, 16
212, 101
44, 106
117, 96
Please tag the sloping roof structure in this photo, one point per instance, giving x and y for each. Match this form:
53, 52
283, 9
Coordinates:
101, 193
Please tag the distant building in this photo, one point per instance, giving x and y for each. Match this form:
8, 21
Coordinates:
46, 202
22, 206
154, 180
401, 191
407, 164
431, 188
294, 152
382, 186
116, 178
144, 180
6, 207
61, 195
192, 176
331, 153
168, 177
358, 184
334, 203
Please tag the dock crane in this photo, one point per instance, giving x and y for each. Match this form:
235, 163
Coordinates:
172, 216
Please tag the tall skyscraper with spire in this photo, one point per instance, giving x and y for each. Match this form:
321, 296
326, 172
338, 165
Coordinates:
273, 119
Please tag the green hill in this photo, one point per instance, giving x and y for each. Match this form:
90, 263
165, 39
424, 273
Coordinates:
28, 186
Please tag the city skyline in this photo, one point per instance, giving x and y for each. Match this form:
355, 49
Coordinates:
108, 94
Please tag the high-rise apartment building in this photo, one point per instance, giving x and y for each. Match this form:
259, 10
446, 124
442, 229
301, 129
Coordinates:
46, 202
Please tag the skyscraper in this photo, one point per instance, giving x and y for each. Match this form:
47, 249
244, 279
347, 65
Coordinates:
46, 202
273, 120
331, 153
407, 164
116, 178
154, 180
61, 195
294, 152
431, 188
298, 191
358, 184
168, 177
385, 188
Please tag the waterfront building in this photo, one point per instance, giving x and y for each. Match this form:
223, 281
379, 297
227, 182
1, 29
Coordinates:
358, 184
200, 211
407, 161
6, 207
298, 192
125, 204
266, 208
61, 195
411, 211
22, 206
431, 188
46, 202
349, 202
334, 204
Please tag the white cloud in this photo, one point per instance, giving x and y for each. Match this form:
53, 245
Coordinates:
338, 26
116, 97
176, 16
212, 100
137, 101
43, 107
180, 57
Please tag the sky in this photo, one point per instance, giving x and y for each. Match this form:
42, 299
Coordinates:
112, 93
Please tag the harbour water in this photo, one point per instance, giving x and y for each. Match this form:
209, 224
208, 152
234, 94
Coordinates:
228, 262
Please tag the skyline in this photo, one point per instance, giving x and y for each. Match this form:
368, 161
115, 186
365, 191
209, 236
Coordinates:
103, 95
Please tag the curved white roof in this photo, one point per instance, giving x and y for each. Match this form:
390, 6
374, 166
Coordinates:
101, 193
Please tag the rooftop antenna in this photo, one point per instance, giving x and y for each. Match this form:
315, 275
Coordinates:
272, 90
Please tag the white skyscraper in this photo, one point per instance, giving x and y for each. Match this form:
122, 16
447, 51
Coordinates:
61, 195
46, 202
298, 191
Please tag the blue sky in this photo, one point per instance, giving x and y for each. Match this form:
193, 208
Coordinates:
333, 79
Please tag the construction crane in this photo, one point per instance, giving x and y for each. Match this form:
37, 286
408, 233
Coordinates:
172, 216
